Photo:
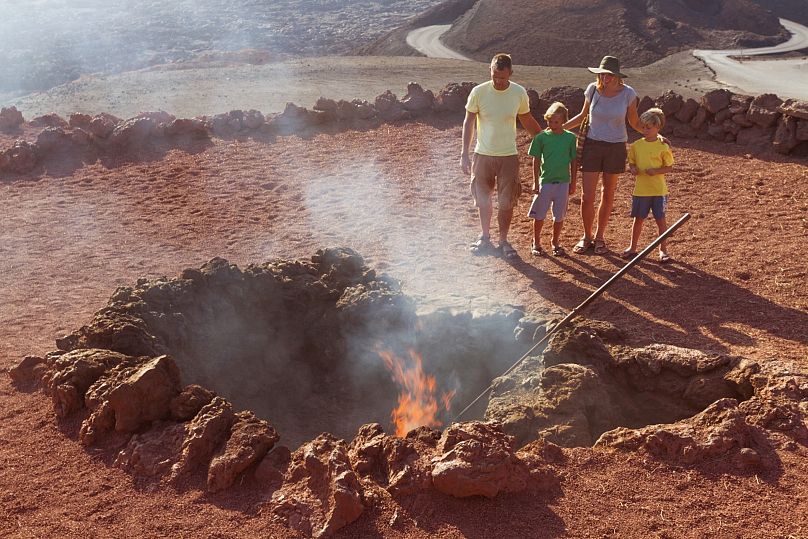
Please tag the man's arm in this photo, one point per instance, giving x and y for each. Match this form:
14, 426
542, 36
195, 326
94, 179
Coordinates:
469, 125
529, 122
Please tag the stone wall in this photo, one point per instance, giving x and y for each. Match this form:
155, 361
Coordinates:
762, 122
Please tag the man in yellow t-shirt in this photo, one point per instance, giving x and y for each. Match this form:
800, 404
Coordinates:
492, 110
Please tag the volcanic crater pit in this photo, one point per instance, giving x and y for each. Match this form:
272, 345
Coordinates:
325, 345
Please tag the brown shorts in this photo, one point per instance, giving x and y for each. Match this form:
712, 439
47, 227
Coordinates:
502, 172
608, 157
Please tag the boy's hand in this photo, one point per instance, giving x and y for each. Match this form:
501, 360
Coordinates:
633, 169
572, 186
651, 172
535, 189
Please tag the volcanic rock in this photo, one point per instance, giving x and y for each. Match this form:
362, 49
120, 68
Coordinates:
49, 120
571, 96
401, 465
125, 398
71, 374
187, 127
795, 108
739, 104
78, 119
742, 120
699, 118
29, 370
477, 459
785, 138
453, 97
203, 436
133, 131
763, 110
716, 100
417, 100
10, 118
644, 104
250, 440
102, 125
802, 130
389, 107
253, 119
152, 453
274, 465
755, 136
53, 139
187, 404
715, 432
21, 157
114, 330
687, 111
670, 102
320, 493
294, 119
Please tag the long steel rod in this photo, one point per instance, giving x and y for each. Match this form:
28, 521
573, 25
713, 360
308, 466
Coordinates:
577, 310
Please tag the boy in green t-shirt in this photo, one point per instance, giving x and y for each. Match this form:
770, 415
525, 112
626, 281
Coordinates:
649, 159
554, 176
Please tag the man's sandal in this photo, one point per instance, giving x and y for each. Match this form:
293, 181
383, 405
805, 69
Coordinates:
536, 250
600, 247
664, 258
507, 250
481, 246
583, 245
559, 251
628, 255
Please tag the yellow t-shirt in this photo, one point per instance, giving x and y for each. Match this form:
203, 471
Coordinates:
496, 112
645, 155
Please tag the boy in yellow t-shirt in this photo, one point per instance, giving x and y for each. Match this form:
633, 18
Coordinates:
649, 160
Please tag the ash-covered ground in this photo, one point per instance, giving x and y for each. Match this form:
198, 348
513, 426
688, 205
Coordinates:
49, 42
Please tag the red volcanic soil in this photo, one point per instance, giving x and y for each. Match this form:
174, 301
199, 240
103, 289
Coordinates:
71, 235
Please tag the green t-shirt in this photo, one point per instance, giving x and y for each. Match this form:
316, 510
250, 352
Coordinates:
556, 153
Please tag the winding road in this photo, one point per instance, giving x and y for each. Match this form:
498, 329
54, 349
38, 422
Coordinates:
426, 40
786, 78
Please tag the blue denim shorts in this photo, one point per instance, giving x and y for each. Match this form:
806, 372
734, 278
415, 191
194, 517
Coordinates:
641, 206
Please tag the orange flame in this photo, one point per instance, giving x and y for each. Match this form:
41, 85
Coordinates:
417, 405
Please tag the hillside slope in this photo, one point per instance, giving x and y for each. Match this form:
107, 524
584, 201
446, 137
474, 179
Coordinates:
579, 32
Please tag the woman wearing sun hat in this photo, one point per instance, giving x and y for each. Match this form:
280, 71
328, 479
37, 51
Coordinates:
609, 103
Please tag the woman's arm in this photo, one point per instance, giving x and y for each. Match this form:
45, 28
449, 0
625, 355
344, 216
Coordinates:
632, 116
576, 120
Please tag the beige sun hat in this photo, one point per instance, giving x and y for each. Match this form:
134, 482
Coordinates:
609, 64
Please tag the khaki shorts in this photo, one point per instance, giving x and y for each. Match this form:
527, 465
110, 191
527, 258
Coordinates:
501, 172
608, 157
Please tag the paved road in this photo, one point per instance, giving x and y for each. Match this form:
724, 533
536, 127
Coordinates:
786, 78
426, 40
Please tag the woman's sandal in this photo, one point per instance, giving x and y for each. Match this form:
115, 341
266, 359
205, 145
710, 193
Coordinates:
559, 251
600, 247
628, 255
583, 245
537, 250
664, 258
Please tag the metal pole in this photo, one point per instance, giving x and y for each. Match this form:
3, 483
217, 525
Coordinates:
583, 305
